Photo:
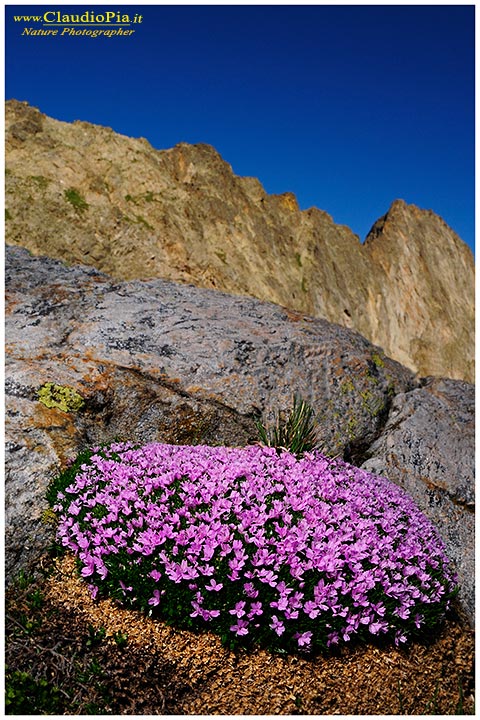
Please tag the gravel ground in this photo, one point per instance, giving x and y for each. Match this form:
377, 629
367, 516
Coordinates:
105, 659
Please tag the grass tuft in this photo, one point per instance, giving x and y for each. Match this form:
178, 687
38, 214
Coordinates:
296, 433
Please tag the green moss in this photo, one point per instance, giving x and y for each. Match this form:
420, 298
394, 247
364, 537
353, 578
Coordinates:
75, 199
298, 259
347, 387
222, 255
41, 181
366, 396
141, 220
371, 402
149, 196
373, 405
8, 215
352, 426
61, 397
25, 695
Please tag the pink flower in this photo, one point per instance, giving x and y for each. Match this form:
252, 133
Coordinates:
418, 620
378, 608
214, 586
155, 600
197, 609
184, 571
311, 609
89, 567
333, 639
241, 628
303, 639
239, 609
250, 590
277, 625
208, 552
255, 609
402, 612
236, 564
267, 576
280, 604
378, 627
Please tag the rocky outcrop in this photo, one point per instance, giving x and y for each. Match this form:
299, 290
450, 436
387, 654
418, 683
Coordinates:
90, 359
427, 274
427, 447
84, 194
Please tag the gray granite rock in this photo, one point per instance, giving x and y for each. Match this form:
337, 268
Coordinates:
159, 361
427, 447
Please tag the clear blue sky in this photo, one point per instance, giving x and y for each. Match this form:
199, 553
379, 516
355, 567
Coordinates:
349, 107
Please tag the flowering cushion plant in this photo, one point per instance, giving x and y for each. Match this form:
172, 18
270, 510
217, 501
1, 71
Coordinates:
293, 553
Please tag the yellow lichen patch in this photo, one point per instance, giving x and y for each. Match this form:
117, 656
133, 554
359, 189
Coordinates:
378, 360
49, 517
60, 396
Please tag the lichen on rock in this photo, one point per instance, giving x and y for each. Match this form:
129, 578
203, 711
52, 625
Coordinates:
60, 396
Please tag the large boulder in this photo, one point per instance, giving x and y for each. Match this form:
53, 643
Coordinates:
91, 360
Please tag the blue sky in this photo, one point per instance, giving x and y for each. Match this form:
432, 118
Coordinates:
349, 107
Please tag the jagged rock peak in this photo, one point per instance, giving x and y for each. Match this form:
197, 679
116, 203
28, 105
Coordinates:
99, 198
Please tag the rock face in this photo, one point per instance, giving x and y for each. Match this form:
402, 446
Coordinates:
84, 194
90, 359
427, 447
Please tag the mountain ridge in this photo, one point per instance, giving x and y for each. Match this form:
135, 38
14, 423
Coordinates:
84, 194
